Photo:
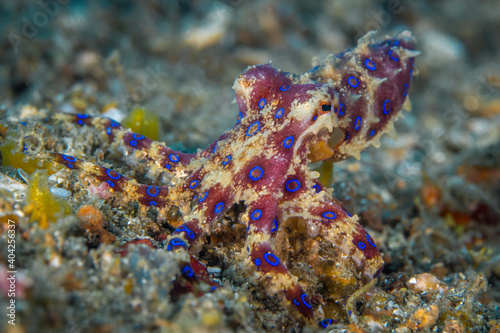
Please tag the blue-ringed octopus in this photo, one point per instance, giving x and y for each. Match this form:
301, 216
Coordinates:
284, 123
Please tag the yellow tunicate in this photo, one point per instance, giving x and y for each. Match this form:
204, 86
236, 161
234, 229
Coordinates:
143, 122
211, 318
17, 159
326, 173
44, 206
109, 106
129, 285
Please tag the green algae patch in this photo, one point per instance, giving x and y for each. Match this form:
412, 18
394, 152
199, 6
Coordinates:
143, 122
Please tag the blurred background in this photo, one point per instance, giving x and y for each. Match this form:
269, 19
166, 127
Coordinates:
179, 58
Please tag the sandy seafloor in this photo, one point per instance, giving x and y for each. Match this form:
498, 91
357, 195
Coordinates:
430, 199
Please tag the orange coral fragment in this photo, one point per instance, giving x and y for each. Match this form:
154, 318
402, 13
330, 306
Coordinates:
320, 151
92, 222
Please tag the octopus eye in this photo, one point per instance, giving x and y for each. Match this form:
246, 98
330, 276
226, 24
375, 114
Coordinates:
326, 107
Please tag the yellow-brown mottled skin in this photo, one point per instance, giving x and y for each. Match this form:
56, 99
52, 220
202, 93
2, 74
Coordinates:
285, 122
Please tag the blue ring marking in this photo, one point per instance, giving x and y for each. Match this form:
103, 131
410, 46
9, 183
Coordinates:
257, 177
395, 42
152, 203
175, 242
213, 288
274, 262
203, 197
329, 215
80, 122
317, 188
226, 159
70, 166
262, 103
356, 82
405, 90
195, 197
167, 166
108, 130
341, 109
357, 123
279, 113
193, 184
257, 262
325, 323
23, 123
291, 139
284, 87
248, 229
256, 214
362, 245
189, 232
288, 183
115, 123
110, 183
251, 126
82, 116
188, 270
215, 147
133, 143
68, 158
314, 118
372, 132
296, 302
109, 175
370, 64
275, 225
349, 214
138, 136
219, 207
387, 106
149, 189
304, 299
346, 136
393, 55
370, 240
174, 158
238, 119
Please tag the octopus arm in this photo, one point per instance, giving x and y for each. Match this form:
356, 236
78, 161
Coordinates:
372, 81
113, 186
337, 233
133, 147
268, 267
